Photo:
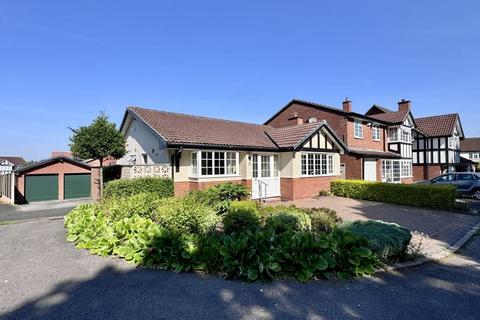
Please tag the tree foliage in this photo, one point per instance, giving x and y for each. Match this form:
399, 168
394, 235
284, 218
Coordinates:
98, 140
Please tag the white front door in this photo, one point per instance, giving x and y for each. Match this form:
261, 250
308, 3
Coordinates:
265, 177
370, 170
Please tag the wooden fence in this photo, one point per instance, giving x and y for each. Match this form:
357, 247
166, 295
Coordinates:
7, 187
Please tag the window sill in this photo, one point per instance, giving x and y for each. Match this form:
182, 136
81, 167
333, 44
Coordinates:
215, 177
359, 138
318, 175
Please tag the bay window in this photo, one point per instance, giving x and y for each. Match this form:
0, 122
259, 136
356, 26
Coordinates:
393, 134
317, 164
394, 170
214, 163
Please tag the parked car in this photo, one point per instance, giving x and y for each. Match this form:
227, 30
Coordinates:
467, 183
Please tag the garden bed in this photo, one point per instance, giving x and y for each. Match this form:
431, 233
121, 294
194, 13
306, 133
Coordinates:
214, 231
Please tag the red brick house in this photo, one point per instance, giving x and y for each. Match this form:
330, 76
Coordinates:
58, 178
370, 155
289, 162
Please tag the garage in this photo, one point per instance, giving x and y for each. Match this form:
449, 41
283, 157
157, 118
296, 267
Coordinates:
58, 178
41, 187
77, 186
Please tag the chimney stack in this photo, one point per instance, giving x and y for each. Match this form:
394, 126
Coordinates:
347, 105
296, 119
404, 105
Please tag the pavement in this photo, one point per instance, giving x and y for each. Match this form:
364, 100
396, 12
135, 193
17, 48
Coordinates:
37, 210
44, 277
435, 231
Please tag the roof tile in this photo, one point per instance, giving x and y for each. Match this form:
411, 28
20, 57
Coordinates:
437, 126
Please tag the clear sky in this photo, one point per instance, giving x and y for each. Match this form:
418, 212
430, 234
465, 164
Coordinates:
61, 62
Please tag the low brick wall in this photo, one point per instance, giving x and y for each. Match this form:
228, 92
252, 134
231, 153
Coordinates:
183, 187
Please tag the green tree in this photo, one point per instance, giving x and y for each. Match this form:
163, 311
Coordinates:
97, 141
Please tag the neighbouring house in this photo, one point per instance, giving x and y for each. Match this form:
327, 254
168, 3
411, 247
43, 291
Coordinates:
470, 152
378, 146
58, 178
9, 164
436, 147
289, 162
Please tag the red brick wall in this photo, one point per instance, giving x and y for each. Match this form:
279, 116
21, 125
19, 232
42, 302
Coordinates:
305, 187
431, 171
182, 187
353, 166
407, 180
54, 168
367, 142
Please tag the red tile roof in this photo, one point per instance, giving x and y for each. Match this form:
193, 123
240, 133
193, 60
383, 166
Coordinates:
187, 130
289, 137
438, 126
375, 153
470, 144
392, 117
17, 161
182, 129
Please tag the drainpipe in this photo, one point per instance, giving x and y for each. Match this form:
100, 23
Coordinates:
177, 153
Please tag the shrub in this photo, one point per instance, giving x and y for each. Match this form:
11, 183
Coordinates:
241, 216
388, 240
418, 195
253, 255
142, 204
185, 216
323, 219
282, 218
220, 196
128, 187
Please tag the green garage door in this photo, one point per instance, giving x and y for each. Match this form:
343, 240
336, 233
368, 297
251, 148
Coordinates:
41, 187
77, 186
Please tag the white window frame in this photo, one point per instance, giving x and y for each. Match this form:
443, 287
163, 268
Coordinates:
197, 172
475, 155
315, 164
357, 124
376, 136
392, 175
392, 131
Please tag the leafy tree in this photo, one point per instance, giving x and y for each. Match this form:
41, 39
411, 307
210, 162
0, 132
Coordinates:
97, 141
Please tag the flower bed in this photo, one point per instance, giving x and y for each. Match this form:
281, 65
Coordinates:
249, 241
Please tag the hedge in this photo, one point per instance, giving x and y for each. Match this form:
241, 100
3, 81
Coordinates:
417, 195
130, 187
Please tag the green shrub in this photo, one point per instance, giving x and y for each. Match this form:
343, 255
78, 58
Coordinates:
282, 218
128, 187
220, 196
388, 240
418, 195
241, 216
323, 219
142, 204
185, 216
260, 254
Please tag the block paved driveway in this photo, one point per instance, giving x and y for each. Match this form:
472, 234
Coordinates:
44, 277
444, 226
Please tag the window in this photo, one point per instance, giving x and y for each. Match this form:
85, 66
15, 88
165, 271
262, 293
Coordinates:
316, 164
393, 134
145, 158
406, 169
465, 177
474, 156
265, 166
275, 165
393, 170
406, 136
445, 178
255, 166
375, 133
214, 163
194, 170
358, 129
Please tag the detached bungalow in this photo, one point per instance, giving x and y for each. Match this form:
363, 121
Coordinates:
289, 163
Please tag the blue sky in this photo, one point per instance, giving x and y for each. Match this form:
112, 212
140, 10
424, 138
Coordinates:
61, 62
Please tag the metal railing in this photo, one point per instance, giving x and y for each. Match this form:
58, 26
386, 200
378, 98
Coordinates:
260, 188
